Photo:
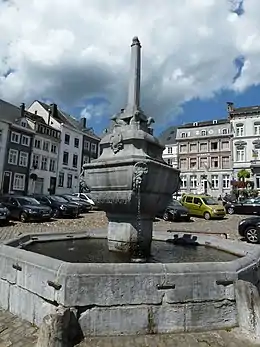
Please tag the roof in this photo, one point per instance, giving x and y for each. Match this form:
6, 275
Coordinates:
248, 109
168, 136
204, 123
9, 112
64, 117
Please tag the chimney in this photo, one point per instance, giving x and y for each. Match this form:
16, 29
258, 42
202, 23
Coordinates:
230, 106
22, 108
35, 112
83, 122
53, 110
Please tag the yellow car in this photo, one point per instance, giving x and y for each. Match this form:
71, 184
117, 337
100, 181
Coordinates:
203, 206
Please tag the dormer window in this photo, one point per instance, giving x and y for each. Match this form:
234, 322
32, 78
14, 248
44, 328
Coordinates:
183, 135
225, 131
23, 124
203, 132
215, 121
195, 124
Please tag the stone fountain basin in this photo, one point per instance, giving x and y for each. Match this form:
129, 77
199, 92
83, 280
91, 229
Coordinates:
110, 299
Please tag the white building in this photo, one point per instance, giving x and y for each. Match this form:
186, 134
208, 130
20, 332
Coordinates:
170, 153
245, 124
70, 149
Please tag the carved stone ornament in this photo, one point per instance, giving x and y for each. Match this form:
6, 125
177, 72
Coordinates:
140, 170
116, 142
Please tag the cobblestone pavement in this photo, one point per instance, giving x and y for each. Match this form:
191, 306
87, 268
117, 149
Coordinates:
18, 333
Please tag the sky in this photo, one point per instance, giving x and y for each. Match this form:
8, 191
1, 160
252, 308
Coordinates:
196, 56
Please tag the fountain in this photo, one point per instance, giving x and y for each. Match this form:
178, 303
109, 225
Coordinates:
123, 280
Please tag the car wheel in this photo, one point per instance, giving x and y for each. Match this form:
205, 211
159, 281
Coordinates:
55, 213
23, 217
207, 215
230, 210
187, 219
166, 216
252, 235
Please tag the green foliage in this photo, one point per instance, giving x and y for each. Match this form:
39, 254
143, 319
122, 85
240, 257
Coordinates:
243, 174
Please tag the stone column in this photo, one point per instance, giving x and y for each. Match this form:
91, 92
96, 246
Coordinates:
135, 77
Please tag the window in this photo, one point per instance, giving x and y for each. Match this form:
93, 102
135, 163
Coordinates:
203, 147
183, 164
25, 140
204, 163
183, 135
23, 159
86, 159
75, 160
1, 135
67, 139
197, 201
224, 131
225, 163
169, 149
193, 147
93, 147
255, 153
203, 132
184, 181
44, 163
240, 130
257, 129
86, 144
214, 181
65, 158
188, 199
24, 124
69, 181
169, 162
76, 142
193, 163
257, 182
225, 145
35, 161
61, 179
214, 146
13, 157
53, 148
37, 144
15, 137
183, 148
19, 182
193, 181
226, 181
52, 165
45, 146
214, 162
240, 155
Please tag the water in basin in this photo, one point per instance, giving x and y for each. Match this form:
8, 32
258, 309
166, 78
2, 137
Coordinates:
86, 250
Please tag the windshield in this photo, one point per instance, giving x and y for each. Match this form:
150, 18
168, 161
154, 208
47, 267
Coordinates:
58, 198
28, 201
175, 203
210, 201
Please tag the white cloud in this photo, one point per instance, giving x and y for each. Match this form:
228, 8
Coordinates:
71, 51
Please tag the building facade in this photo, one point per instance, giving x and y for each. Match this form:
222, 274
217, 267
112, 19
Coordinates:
205, 157
245, 125
170, 153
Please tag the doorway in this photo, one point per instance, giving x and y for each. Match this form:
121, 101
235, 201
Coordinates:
6, 182
52, 185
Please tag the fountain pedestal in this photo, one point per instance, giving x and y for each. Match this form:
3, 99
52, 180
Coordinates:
130, 181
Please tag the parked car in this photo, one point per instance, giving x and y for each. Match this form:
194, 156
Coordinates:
244, 207
82, 204
249, 228
175, 211
4, 214
84, 197
203, 206
25, 208
60, 206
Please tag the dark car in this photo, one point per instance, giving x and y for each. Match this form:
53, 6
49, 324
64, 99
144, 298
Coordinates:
175, 211
83, 205
25, 208
248, 206
4, 214
60, 206
249, 228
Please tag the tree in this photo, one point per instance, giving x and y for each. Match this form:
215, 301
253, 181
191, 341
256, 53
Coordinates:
243, 174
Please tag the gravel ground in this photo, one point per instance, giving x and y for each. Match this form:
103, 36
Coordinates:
97, 219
